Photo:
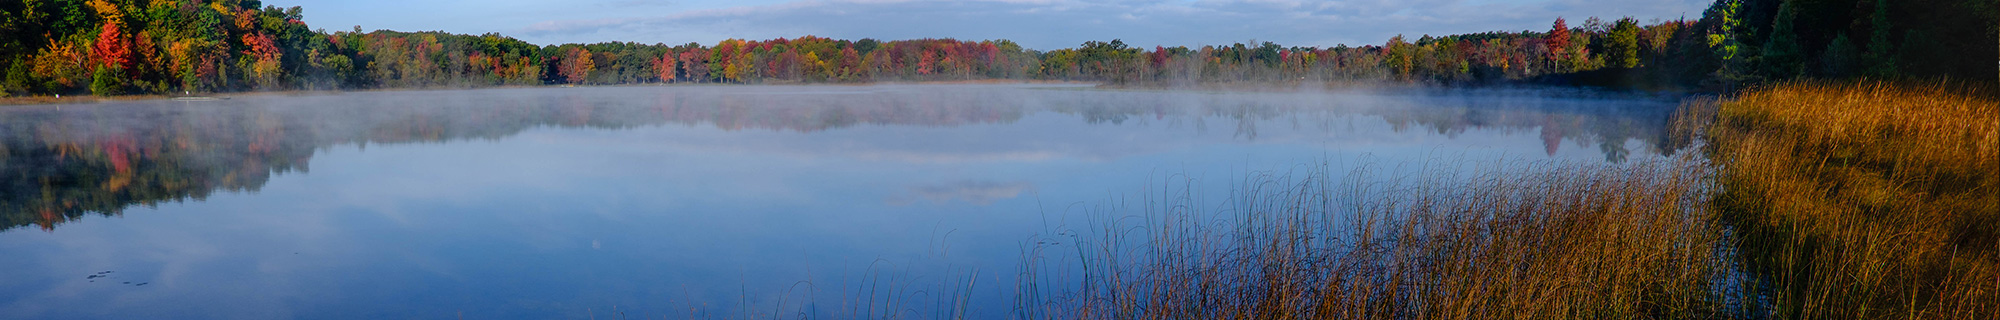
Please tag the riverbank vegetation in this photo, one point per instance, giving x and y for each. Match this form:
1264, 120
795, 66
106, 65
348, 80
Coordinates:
1541, 241
1812, 200
1865, 200
119, 47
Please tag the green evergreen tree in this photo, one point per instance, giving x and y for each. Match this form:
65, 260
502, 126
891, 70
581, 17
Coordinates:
18, 81
1841, 59
1782, 53
1880, 56
1622, 47
108, 81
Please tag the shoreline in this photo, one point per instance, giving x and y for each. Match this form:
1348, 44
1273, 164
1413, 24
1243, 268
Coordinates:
1296, 86
93, 99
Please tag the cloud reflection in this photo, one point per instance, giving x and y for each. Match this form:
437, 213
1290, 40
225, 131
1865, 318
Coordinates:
970, 191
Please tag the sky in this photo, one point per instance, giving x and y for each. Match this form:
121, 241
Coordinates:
1037, 24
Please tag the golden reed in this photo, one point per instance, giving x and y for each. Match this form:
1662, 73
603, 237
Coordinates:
1813, 201
1864, 200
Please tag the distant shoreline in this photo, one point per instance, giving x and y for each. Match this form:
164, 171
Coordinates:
1229, 86
90, 99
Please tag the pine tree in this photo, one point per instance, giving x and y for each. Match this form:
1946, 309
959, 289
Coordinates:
1782, 54
109, 80
1622, 45
1840, 59
1880, 56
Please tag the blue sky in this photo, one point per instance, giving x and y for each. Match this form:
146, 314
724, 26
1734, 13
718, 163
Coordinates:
1039, 24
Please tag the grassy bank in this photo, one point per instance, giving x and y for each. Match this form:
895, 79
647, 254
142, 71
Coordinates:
1864, 201
1813, 201
1533, 241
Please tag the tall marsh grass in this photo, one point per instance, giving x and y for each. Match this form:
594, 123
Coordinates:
1524, 241
1813, 201
1864, 200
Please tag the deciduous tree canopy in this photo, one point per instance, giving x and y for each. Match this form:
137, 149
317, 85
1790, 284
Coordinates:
173, 46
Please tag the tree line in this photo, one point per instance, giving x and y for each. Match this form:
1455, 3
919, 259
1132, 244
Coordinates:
112, 47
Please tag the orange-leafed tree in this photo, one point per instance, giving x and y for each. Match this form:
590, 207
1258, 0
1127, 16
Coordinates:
1558, 40
264, 68
925, 62
665, 66
262, 46
576, 65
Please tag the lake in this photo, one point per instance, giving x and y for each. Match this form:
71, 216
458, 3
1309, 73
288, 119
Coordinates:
678, 201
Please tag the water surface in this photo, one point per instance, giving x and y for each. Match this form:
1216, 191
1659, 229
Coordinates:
650, 201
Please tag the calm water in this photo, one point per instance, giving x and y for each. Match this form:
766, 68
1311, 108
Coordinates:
650, 201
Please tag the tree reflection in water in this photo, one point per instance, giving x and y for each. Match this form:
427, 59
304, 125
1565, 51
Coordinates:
60, 163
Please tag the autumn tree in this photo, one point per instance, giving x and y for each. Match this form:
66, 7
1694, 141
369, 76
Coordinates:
665, 66
576, 65
1401, 56
815, 68
112, 55
263, 58
1558, 41
111, 49
849, 64
695, 60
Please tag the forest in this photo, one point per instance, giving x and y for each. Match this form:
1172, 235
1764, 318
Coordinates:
120, 47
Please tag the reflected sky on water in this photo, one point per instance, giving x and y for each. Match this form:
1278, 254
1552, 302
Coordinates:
574, 202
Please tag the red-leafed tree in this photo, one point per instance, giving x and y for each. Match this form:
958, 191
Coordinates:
111, 49
1159, 57
695, 61
261, 46
1558, 40
850, 63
